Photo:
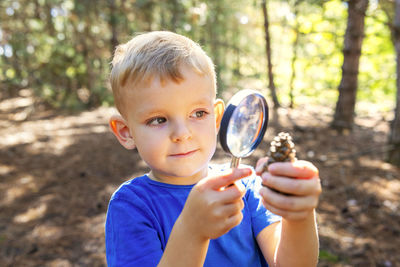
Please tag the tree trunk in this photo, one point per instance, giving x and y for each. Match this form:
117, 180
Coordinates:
268, 51
394, 137
176, 13
344, 112
214, 35
294, 57
113, 22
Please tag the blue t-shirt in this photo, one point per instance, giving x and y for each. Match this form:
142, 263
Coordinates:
142, 212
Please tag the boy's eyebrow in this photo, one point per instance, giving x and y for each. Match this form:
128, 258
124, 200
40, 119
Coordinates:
205, 98
149, 112
202, 101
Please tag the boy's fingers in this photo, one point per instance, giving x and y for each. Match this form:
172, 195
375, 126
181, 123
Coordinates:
298, 169
260, 165
233, 192
293, 186
224, 180
230, 209
290, 215
289, 203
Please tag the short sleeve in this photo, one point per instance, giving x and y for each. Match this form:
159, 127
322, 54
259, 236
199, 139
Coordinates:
260, 216
130, 235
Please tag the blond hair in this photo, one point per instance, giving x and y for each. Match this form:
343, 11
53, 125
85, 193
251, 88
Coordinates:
158, 54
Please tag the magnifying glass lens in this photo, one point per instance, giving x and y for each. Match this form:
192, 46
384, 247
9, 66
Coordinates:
245, 126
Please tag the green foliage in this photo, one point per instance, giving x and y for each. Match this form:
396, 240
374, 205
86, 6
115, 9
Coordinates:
377, 79
327, 256
62, 48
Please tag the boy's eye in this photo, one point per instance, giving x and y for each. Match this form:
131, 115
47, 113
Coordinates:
156, 121
199, 114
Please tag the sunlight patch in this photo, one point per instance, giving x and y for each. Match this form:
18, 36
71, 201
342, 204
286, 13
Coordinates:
4, 169
31, 214
383, 188
47, 232
14, 103
25, 184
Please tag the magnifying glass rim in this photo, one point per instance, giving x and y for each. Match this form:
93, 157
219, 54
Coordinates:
229, 110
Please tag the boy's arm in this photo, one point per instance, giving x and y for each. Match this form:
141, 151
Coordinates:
290, 243
184, 248
294, 241
213, 208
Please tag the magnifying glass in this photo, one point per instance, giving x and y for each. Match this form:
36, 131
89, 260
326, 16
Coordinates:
243, 124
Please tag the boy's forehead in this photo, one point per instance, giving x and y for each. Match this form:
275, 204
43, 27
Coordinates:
157, 93
158, 83
147, 105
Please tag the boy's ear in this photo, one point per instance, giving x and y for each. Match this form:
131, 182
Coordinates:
219, 108
120, 129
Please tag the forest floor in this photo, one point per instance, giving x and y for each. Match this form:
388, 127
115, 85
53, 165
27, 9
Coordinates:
58, 171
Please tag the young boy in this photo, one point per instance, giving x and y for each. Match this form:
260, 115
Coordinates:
185, 212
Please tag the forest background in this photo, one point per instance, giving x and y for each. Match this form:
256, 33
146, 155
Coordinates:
62, 49
54, 65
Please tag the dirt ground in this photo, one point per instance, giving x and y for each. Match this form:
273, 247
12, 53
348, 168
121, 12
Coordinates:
58, 171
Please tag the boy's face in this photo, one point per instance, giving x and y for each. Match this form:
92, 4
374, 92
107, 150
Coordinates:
174, 127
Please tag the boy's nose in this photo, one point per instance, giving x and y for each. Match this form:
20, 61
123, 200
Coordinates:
180, 132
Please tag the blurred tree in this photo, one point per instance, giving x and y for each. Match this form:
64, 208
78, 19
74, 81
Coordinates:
296, 30
394, 25
214, 25
56, 48
113, 22
144, 11
344, 112
62, 48
271, 83
299, 9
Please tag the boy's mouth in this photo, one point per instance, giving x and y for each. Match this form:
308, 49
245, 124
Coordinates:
184, 154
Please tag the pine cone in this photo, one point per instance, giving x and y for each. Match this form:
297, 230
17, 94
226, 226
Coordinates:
282, 149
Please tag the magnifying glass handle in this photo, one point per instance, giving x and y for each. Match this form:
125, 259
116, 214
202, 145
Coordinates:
235, 162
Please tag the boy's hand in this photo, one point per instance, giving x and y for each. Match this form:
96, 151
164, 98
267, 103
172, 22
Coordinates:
299, 179
214, 205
